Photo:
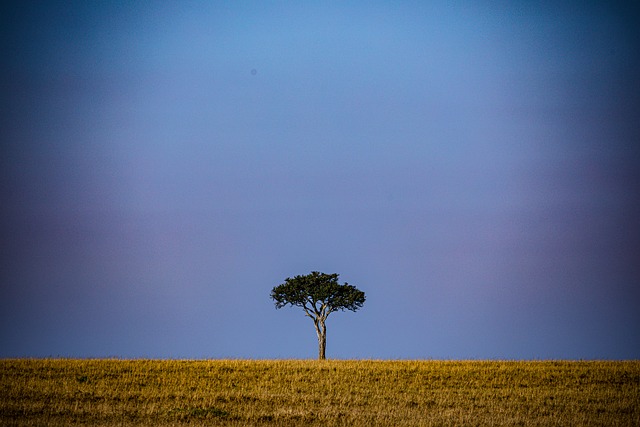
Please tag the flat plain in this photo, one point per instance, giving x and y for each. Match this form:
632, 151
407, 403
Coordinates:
114, 392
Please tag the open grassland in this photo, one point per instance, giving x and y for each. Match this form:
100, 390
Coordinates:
59, 392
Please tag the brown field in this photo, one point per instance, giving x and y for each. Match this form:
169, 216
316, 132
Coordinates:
60, 392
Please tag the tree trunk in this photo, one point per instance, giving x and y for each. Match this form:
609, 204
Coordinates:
321, 330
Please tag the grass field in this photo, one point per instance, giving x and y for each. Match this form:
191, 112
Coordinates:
57, 392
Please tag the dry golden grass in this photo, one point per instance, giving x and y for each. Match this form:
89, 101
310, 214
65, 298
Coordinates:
289, 392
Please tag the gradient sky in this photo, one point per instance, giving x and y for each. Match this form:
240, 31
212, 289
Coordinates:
472, 166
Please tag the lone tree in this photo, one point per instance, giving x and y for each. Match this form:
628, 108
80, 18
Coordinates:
319, 295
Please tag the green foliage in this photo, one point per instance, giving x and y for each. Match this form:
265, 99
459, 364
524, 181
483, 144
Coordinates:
318, 293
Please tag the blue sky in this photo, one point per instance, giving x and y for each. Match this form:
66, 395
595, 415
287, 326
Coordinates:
471, 166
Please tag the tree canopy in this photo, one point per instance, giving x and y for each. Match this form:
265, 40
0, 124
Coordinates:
315, 290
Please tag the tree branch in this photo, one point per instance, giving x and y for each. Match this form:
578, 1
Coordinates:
308, 312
